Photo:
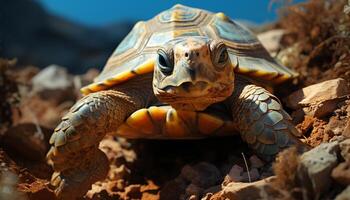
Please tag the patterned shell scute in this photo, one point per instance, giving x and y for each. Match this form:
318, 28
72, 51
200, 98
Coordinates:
131, 40
137, 53
230, 31
178, 13
157, 39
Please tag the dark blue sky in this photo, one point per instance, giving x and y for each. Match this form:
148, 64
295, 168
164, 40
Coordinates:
102, 12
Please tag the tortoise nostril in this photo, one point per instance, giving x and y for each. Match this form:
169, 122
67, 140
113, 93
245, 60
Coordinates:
198, 85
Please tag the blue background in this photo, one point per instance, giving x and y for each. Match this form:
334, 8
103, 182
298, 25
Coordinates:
103, 12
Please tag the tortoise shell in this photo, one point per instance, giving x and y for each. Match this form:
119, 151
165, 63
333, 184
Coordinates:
136, 54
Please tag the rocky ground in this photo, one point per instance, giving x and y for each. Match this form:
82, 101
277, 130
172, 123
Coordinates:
317, 46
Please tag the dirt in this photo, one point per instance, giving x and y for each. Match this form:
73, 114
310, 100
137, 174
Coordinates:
316, 46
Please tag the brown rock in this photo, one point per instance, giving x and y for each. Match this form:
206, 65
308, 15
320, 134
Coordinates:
212, 189
253, 175
345, 150
120, 172
149, 196
242, 191
320, 99
116, 186
202, 174
133, 191
341, 173
234, 175
173, 189
346, 131
315, 168
46, 113
336, 125
193, 189
37, 190
207, 196
28, 140
255, 162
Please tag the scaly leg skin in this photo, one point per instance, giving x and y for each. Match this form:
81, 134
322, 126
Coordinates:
261, 120
74, 154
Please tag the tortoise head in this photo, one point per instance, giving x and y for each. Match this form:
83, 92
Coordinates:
192, 73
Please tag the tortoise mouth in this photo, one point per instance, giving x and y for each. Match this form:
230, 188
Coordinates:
178, 97
190, 91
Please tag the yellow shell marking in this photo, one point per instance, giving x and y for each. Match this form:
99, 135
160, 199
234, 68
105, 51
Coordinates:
222, 16
144, 68
141, 120
165, 122
282, 78
175, 127
158, 114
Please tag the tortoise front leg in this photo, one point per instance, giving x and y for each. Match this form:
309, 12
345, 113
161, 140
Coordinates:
74, 154
261, 120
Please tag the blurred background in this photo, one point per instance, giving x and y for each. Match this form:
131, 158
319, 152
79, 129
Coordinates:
81, 34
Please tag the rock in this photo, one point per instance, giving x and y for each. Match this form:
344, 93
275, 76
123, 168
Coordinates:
53, 77
193, 189
46, 113
173, 189
133, 191
240, 191
271, 39
54, 84
193, 197
235, 174
202, 174
345, 150
341, 173
120, 172
344, 195
207, 196
320, 99
255, 162
253, 175
212, 189
38, 190
27, 140
346, 131
315, 167
113, 150
336, 125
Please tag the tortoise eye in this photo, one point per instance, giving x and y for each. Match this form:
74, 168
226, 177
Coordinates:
222, 55
219, 54
165, 63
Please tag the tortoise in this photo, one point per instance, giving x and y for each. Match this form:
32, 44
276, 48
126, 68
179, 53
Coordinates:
187, 73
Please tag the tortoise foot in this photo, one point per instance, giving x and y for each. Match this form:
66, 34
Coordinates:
73, 183
263, 123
